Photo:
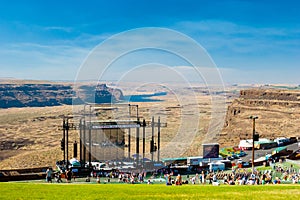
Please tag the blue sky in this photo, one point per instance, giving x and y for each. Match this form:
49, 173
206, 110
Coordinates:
250, 41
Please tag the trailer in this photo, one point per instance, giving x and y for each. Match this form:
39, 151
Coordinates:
200, 161
216, 166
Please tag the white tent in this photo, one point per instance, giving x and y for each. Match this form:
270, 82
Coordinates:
74, 162
245, 144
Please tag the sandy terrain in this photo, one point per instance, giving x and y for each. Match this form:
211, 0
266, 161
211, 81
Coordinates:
30, 137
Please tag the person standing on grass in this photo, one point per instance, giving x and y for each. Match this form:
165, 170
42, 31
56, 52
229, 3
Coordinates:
168, 179
49, 175
214, 177
69, 175
197, 178
203, 177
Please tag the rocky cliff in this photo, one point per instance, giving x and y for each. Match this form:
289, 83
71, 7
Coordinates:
40, 95
99, 94
278, 114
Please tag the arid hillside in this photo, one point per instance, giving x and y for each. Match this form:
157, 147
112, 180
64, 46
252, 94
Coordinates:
30, 136
278, 114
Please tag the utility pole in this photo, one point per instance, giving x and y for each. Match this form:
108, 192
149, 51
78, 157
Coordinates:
144, 138
152, 139
90, 137
80, 139
84, 133
137, 145
84, 141
67, 141
158, 139
253, 136
129, 132
63, 145
137, 121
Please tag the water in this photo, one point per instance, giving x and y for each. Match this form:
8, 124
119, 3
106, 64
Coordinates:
144, 97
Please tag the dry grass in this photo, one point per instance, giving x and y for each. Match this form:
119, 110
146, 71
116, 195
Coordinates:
31, 137
273, 121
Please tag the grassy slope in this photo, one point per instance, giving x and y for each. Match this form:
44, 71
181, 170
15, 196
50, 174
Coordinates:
157, 191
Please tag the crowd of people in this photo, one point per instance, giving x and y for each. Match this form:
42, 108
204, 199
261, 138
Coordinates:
289, 174
278, 174
50, 174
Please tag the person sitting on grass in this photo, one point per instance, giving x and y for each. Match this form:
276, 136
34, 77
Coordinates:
225, 179
193, 180
276, 181
98, 179
178, 180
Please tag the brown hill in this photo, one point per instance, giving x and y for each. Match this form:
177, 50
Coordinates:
30, 136
278, 114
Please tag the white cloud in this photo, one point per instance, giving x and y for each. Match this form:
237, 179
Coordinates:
229, 28
58, 28
244, 39
126, 51
230, 44
37, 61
257, 54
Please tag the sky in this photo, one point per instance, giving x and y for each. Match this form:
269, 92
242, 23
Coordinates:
249, 41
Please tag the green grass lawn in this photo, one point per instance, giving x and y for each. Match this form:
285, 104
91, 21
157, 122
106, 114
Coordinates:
144, 191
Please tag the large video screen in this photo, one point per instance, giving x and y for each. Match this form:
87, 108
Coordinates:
210, 150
